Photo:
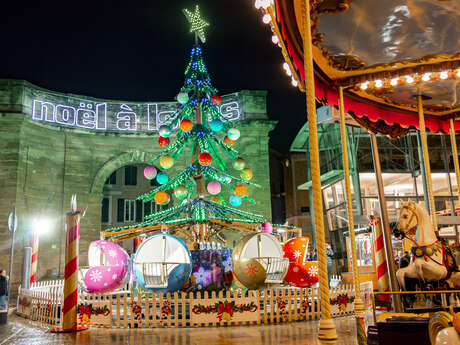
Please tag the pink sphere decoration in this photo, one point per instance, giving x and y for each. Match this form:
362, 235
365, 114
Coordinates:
266, 227
150, 172
214, 187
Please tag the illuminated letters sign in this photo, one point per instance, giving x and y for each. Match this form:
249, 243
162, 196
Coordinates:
116, 116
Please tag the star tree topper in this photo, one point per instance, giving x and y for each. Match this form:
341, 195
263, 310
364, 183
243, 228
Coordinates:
198, 24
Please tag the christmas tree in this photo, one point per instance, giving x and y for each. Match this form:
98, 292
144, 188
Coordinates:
207, 137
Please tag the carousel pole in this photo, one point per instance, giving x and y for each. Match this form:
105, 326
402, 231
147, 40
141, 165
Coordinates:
385, 223
359, 306
426, 159
326, 333
34, 258
455, 154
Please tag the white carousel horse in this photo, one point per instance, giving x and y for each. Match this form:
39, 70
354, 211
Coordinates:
415, 223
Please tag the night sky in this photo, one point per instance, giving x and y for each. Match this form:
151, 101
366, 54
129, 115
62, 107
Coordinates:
138, 50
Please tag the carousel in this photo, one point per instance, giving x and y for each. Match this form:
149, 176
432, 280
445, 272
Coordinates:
389, 67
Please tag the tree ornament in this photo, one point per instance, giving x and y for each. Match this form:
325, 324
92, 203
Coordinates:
240, 191
165, 131
163, 142
150, 172
229, 141
166, 162
204, 159
161, 198
186, 125
181, 193
235, 201
197, 23
214, 188
162, 178
217, 200
182, 97
216, 125
216, 99
239, 164
246, 174
266, 227
233, 134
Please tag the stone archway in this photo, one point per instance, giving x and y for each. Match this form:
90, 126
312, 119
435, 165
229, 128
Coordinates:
130, 157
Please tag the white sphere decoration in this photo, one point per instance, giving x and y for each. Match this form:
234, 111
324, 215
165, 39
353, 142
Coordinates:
182, 97
233, 133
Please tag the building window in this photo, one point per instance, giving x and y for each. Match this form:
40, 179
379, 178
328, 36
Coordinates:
105, 210
130, 175
112, 178
130, 211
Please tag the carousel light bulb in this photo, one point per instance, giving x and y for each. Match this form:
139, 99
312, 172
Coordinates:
267, 18
444, 75
426, 76
275, 39
265, 3
288, 72
394, 82
364, 85
458, 72
409, 79
286, 66
258, 4
294, 82
378, 83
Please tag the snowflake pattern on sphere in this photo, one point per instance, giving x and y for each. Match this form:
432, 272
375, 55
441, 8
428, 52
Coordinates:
112, 253
313, 271
95, 276
297, 254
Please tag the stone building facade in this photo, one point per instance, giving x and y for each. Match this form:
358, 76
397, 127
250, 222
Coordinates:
54, 145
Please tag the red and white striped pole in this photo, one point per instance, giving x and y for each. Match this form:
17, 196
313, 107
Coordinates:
34, 262
69, 308
380, 258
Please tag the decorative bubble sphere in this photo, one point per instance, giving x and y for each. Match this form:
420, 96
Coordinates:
246, 174
150, 172
180, 193
214, 188
161, 198
165, 131
166, 162
240, 191
162, 178
182, 97
233, 134
239, 164
235, 201
216, 125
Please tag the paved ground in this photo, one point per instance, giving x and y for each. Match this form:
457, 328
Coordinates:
24, 332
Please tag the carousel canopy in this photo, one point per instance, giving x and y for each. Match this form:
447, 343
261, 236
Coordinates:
384, 53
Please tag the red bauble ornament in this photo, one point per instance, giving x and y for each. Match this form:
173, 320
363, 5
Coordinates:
216, 99
204, 159
186, 125
301, 272
229, 141
163, 142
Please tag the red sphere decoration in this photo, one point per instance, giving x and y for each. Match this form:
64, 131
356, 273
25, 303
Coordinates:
229, 141
204, 159
186, 125
163, 142
216, 99
301, 272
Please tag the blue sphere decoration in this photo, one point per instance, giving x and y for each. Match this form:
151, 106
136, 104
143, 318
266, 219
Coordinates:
165, 131
235, 201
216, 125
162, 178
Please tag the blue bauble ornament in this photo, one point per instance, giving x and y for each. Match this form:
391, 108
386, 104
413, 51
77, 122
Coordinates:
235, 201
162, 178
165, 131
216, 125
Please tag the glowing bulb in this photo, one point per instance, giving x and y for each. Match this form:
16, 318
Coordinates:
286, 66
409, 79
288, 72
364, 85
394, 82
458, 72
426, 76
267, 18
444, 75
294, 82
265, 3
258, 4
275, 39
378, 83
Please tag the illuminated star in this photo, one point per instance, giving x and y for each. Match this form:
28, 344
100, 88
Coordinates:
198, 24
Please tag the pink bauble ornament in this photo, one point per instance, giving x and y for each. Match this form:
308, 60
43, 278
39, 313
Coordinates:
214, 187
266, 227
150, 172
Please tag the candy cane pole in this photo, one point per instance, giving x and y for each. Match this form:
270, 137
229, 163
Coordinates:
69, 309
33, 264
380, 260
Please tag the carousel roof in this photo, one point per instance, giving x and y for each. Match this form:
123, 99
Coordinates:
384, 53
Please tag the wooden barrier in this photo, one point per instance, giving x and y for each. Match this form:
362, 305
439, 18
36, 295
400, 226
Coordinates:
179, 309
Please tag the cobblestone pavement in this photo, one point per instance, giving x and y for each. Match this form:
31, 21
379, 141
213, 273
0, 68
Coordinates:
24, 332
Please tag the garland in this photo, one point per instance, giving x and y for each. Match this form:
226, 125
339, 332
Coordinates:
224, 310
342, 300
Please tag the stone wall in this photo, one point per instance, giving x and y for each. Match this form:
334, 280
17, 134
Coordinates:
42, 165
